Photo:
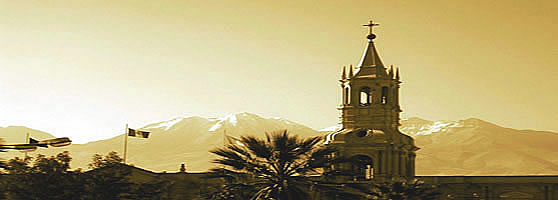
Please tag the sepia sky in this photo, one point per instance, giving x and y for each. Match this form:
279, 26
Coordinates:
84, 69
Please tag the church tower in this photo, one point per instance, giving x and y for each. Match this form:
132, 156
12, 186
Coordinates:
370, 135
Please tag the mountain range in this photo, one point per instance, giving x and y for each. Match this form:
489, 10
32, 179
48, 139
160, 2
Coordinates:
464, 147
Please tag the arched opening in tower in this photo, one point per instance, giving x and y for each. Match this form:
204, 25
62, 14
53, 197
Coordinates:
362, 167
384, 95
365, 96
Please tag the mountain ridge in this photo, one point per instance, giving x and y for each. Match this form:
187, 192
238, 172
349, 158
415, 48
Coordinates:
463, 147
18, 134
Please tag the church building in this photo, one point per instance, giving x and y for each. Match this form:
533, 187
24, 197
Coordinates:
378, 151
369, 136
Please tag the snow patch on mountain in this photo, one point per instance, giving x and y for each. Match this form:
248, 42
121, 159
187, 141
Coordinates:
424, 127
438, 126
229, 119
215, 127
417, 126
244, 120
166, 124
286, 121
231, 122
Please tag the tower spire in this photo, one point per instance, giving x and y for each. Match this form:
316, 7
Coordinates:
350, 71
370, 64
344, 74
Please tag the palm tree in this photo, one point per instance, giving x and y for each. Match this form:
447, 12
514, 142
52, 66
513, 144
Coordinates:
277, 167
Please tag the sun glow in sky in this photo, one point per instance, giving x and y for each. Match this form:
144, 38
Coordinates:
84, 69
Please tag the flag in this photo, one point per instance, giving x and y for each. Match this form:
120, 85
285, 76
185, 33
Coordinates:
138, 133
36, 143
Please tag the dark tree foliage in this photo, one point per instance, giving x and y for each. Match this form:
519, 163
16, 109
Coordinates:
50, 178
3, 190
19, 166
230, 191
112, 158
3, 164
276, 167
150, 191
110, 182
110, 179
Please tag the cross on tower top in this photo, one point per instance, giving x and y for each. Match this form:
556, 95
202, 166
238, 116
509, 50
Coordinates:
371, 25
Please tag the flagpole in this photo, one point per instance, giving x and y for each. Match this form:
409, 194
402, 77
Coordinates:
125, 143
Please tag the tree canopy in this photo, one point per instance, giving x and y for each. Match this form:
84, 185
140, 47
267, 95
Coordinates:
112, 158
43, 178
278, 166
50, 177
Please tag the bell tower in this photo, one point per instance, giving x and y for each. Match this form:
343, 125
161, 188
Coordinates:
371, 93
370, 135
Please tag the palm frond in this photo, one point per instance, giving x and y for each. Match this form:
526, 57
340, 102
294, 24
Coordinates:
277, 165
257, 147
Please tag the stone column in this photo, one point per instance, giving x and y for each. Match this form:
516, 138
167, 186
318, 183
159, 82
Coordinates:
396, 159
403, 164
385, 162
376, 168
412, 164
389, 162
378, 163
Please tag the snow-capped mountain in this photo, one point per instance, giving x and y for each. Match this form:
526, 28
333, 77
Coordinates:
477, 147
415, 126
180, 140
467, 147
234, 124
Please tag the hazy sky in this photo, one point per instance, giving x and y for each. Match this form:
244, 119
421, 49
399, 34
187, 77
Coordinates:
84, 69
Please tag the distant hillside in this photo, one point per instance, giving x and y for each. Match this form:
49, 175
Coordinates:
476, 147
181, 140
17, 134
465, 147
